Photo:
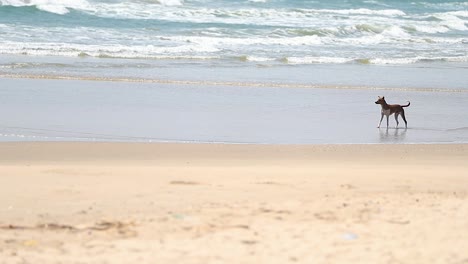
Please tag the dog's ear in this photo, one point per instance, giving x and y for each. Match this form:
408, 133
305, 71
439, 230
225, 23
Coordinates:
383, 97
379, 97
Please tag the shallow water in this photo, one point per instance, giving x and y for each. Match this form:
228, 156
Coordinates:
74, 110
421, 76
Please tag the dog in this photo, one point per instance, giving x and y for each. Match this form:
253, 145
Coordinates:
388, 110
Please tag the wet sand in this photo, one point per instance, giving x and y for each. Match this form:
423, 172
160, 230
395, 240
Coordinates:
216, 203
257, 113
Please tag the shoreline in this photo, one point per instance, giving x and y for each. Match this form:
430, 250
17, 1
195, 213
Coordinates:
227, 83
71, 110
52, 150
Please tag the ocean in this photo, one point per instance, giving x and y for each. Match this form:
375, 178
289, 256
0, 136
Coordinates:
140, 38
333, 51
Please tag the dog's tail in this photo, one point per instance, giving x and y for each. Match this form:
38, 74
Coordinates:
406, 105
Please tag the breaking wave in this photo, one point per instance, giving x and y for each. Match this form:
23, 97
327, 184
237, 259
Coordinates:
259, 32
53, 6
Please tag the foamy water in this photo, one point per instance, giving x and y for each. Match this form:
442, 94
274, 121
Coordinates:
267, 32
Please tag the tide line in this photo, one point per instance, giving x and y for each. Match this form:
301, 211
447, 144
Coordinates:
230, 83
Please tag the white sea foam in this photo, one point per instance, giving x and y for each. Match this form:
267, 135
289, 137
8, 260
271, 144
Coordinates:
395, 31
431, 29
378, 61
54, 6
452, 21
248, 16
170, 2
253, 47
257, 58
265, 41
452, 5
108, 51
362, 11
412, 60
463, 13
142, 3
314, 60
394, 60
17, 65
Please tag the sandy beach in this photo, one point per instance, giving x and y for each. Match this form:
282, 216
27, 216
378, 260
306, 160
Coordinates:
243, 132
217, 203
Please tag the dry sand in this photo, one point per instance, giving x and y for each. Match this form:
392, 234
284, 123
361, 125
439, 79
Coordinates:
209, 203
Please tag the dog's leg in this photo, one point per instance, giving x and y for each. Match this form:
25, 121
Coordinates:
381, 118
387, 120
404, 118
396, 119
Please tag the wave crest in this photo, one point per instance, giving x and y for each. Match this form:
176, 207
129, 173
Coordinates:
60, 7
164, 2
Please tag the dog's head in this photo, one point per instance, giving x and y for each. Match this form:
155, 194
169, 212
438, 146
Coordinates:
380, 100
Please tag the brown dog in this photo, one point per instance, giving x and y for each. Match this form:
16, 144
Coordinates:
388, 110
